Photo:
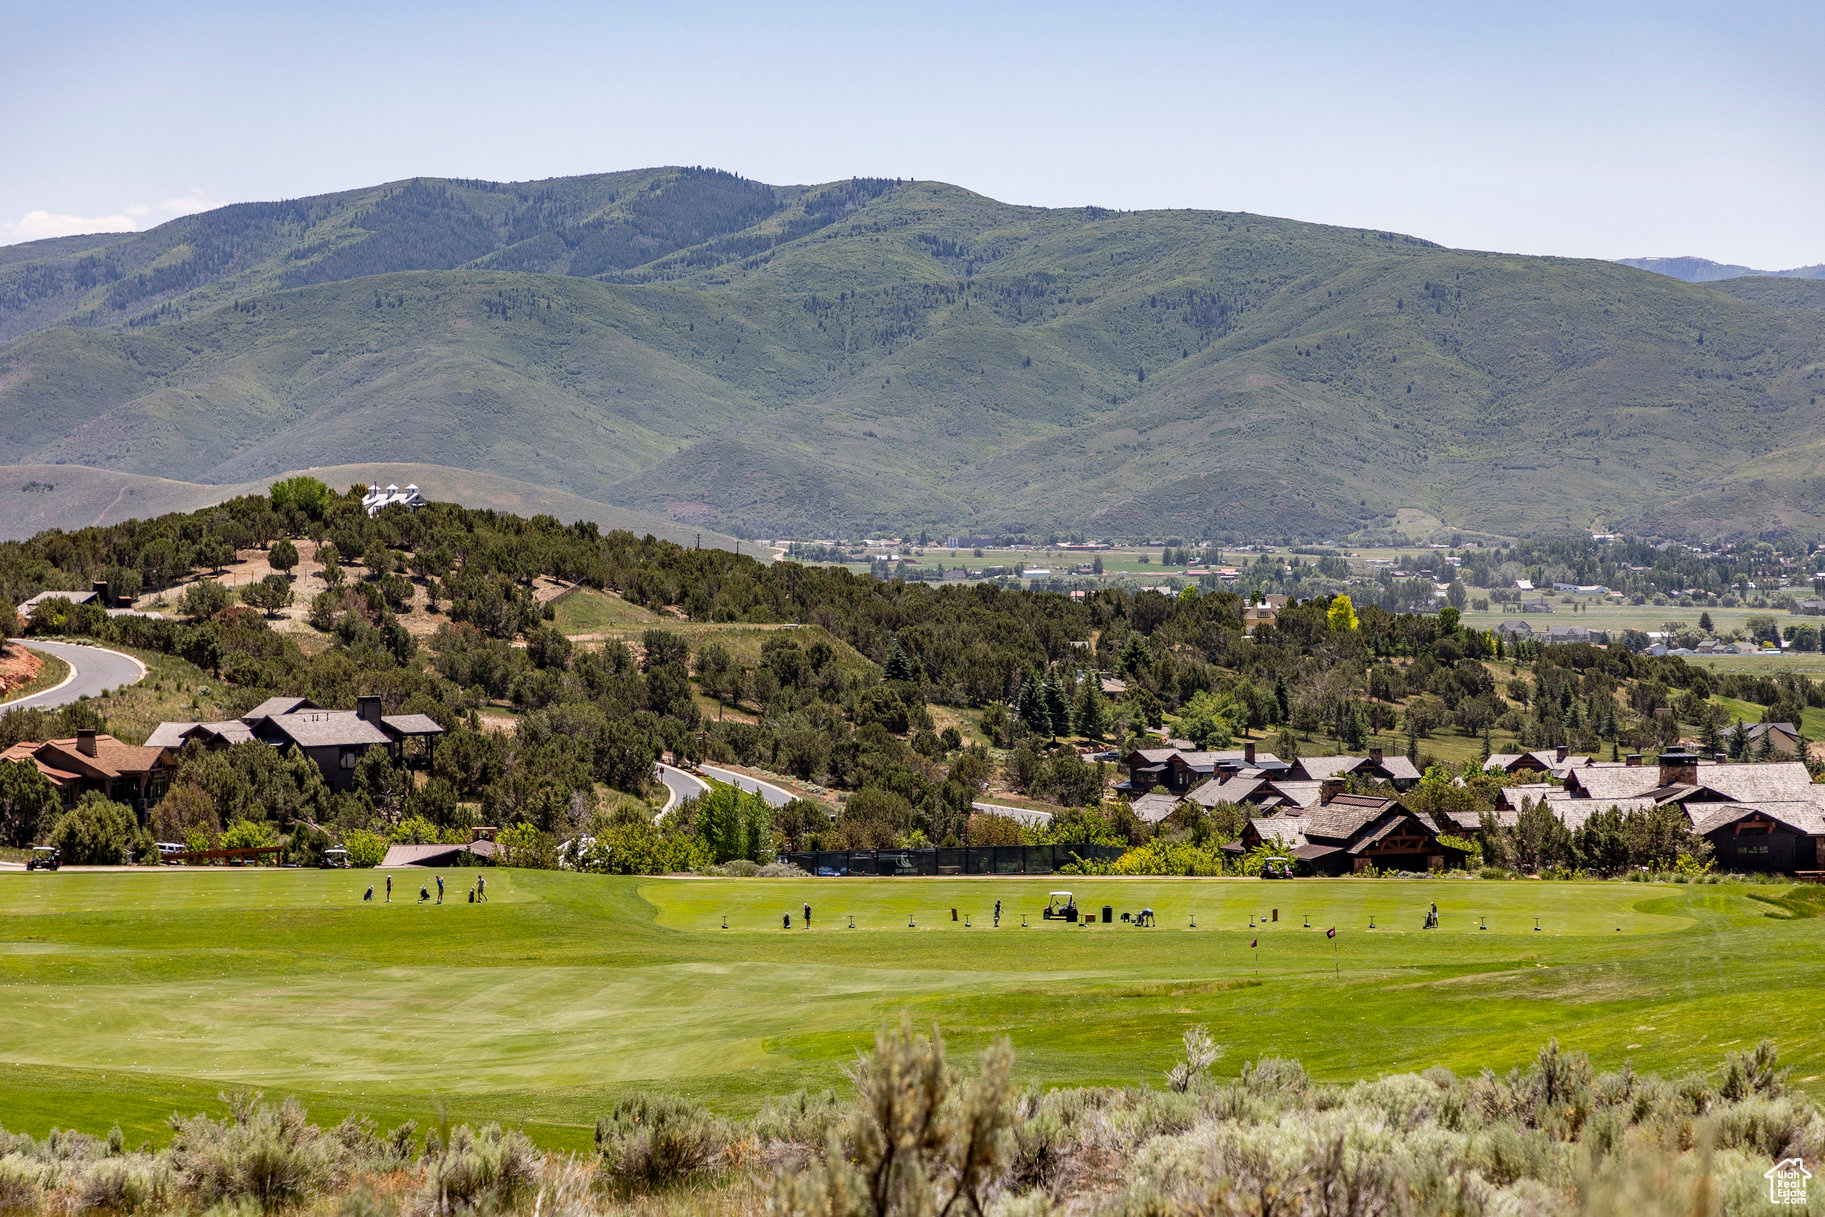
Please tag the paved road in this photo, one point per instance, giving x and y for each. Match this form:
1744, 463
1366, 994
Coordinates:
92, 670
679, 787
773, 794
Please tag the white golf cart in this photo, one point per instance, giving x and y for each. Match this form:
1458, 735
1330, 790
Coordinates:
1061, 907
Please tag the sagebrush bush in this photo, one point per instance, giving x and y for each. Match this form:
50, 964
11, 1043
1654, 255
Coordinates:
652, 1141
474, 1169
268, 1153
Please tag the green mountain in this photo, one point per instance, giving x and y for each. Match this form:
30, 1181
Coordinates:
906, 355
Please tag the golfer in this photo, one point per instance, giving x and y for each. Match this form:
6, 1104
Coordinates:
440, 889
389, 889
481, 889
997, 914
807, 916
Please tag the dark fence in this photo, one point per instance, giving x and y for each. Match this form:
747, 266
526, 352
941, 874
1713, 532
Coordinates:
975, 860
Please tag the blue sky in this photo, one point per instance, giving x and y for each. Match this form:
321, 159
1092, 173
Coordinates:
1597, 130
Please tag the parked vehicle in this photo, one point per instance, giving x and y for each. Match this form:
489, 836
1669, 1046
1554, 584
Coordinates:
334, 859
1277, 868
171, 853
44, 857
1061, 907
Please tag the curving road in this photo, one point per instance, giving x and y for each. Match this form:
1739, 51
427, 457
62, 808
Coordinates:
93, 670
774, 796
679, 787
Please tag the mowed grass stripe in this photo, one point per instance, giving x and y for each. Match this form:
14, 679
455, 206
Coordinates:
124, 996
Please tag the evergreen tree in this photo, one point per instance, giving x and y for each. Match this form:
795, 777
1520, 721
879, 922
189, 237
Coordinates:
1704, 622
1058, 708
1030, 706
1739, 741
1486, 749
1412, 746
1092, 713
898, 666
1282, 699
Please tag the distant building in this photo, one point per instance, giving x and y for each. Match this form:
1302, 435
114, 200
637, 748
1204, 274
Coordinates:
376, 498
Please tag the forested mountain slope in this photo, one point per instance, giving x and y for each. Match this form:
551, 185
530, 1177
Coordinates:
909, 355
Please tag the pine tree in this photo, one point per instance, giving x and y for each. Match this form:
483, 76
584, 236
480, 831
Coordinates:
898, 666
1412, 746
1739, 741
1058, 708
1031, 707
1092, 714
1486, 749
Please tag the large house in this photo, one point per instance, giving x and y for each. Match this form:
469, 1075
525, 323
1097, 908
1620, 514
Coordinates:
1179, 770
338, 739
335, 739
135, 775
376, 498
1353, 833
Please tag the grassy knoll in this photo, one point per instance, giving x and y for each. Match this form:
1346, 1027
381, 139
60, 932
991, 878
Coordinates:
600, 616
127, 995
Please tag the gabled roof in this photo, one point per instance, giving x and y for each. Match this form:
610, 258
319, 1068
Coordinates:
1760, 729
1606, 783
1804, 817
1152, 808
1226, 790
61, 760
174, 735
1150, 756
1284, 832
1301, 794
326, 729
1759, 781
1318, 768
278, 705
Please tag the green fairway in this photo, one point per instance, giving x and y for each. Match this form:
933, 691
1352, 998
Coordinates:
125, 996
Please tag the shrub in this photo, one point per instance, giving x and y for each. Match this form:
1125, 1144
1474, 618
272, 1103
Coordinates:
96, 832
267, 1153
365, 848
650, 1141
483, 1169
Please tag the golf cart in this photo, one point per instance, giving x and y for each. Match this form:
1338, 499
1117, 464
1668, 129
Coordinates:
44, 857
1061, 907
334, 859
1277, 868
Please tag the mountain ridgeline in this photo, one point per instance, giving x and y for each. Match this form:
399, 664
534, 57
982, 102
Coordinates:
898, 355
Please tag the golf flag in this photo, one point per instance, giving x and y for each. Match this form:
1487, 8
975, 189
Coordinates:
1331, 933
1253, 941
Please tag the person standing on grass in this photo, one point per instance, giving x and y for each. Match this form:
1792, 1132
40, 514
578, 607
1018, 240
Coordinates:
807, 916
997, 914
389, 889
440, 889
481, 889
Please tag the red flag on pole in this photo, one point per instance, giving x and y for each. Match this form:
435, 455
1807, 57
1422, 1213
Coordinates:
1253, 941
1331, 933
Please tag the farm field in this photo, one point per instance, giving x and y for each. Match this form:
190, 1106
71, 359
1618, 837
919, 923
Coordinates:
129, 995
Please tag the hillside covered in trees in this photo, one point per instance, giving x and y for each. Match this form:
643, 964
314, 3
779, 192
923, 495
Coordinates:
896, 355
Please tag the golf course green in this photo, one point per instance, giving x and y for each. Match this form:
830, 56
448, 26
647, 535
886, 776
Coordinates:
125, 996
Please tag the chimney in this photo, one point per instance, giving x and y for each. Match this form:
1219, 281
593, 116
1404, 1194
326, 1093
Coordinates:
1677, 766
1375, 755
85, 740
1248, 752
1634, 760
1559, 754
369, 709
1329, 789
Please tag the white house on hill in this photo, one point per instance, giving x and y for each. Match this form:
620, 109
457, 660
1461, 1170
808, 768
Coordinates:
376, 498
